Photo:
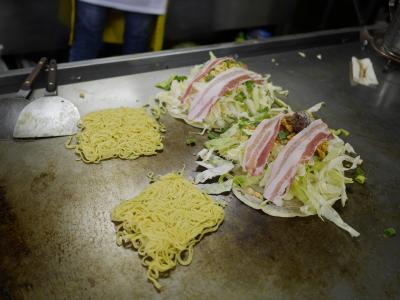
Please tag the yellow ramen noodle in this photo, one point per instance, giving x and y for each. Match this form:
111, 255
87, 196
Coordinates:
123, 132
164, 223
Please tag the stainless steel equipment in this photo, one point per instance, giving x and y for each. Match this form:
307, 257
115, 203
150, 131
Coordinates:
57, 240
387, 43
391, 40
50, 115
11, 107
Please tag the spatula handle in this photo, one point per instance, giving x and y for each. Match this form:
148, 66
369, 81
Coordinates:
27, 84
51, 86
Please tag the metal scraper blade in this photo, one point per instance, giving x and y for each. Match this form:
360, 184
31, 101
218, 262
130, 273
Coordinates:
23, 93
46, 117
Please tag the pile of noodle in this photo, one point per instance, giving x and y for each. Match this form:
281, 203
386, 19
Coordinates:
123, 132
164, 223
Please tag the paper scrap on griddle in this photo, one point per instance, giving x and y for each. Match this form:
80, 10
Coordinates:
362, 72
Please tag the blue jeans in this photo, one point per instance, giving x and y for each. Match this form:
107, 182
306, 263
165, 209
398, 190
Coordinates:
89, 27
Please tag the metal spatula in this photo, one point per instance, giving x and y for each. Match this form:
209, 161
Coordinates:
11, 107
50, 115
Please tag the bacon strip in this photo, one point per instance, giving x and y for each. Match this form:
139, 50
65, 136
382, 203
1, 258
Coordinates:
260, 144
298, 150
222, 83
211, 64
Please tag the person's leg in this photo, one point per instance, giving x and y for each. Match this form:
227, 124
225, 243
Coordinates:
138, 31
89, 26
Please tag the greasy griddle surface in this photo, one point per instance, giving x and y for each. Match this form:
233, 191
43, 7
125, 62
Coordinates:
57, 240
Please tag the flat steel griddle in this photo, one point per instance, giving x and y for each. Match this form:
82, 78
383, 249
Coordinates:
57, 240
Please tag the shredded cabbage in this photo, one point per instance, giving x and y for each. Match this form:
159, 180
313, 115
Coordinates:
315, 188
317, 185
250, 101
216, 188
215, 166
